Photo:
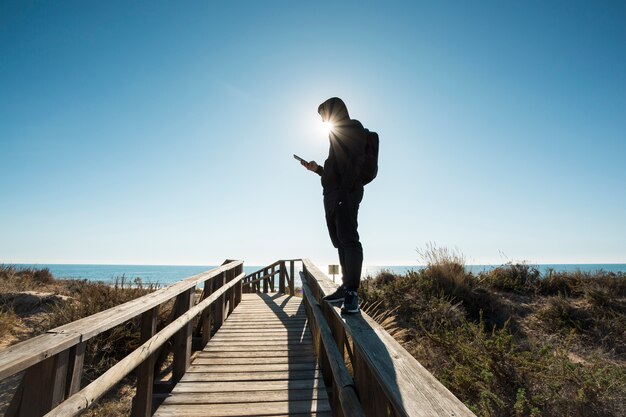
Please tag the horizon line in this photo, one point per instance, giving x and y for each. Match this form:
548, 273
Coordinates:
262, 264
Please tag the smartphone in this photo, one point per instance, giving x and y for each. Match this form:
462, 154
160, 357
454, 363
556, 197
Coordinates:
299, 159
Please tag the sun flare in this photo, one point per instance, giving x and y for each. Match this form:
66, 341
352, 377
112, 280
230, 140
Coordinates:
327, 127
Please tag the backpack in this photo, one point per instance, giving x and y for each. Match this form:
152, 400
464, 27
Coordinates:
367, 164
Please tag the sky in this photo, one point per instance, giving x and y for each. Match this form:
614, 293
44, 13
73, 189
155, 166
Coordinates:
162, 132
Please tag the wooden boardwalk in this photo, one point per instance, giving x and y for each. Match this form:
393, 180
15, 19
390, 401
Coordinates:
236, 349
261, 362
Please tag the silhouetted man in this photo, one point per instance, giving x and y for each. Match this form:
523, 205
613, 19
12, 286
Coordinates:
343, 193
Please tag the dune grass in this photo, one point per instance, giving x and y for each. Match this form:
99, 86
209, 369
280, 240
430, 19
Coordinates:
510, 342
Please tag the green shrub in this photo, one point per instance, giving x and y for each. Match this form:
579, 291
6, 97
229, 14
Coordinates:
518, 277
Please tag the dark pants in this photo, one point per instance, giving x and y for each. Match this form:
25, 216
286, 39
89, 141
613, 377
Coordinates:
342, 209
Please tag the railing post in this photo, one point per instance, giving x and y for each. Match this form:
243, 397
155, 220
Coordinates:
231, 292
142, 404
265, 283
292, 274
238, 287
219, 304
281, 279
44, 385
75, 369
206, 314
182, 340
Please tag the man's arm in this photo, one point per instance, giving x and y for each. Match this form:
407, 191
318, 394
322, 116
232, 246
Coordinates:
312, 166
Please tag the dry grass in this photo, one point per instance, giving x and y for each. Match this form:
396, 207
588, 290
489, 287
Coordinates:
511, 342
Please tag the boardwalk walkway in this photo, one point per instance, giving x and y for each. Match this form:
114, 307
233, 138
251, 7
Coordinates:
237, 348
260, 362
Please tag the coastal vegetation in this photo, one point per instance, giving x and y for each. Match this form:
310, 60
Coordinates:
510, 341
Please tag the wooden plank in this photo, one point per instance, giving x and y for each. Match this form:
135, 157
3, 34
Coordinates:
268, 367
245, 409
266, 315
283, 330
289, 328
289, 305
285, 335
257, 322
254, 338
253, 324
256, 325
263, 318
203, 360
253, 348
195, 375
218, 354
239, 397
294, 345
270, 300
260, 319
248, 386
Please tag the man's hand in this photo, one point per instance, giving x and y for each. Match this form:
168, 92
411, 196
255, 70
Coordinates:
311, 166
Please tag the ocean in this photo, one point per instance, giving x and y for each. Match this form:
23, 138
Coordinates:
164, 275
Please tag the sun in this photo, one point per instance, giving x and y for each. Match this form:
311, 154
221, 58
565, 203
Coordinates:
327, 127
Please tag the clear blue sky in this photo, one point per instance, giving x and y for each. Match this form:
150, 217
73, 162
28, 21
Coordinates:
162, 132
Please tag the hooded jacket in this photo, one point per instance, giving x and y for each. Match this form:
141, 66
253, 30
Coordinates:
347, 144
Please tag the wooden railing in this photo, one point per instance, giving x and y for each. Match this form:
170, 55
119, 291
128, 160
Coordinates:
53, 362
265, 278
386, 379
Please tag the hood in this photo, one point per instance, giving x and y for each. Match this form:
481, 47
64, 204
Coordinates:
333, 110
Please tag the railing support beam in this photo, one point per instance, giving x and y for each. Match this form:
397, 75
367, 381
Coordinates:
182, 340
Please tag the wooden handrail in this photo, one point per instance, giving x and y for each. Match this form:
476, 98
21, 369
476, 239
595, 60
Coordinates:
54, 361
116, 315
343, 385
85, 397
252, 282
264, 277
265, 267
385, 373
18, 357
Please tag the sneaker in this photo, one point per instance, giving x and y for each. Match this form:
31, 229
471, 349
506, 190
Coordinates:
350, 303
337, 296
